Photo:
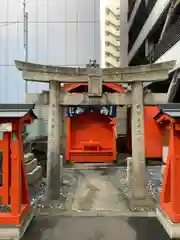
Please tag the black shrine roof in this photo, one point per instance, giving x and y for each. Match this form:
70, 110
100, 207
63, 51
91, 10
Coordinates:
16, 110
171, 109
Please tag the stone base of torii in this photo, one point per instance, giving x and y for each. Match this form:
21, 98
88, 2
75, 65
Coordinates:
95, 77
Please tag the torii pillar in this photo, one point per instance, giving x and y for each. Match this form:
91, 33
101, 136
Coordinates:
138, 145
54, 138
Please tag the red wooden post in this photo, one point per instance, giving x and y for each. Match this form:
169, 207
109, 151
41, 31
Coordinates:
170, 195
5, 168
14, 189
16, 173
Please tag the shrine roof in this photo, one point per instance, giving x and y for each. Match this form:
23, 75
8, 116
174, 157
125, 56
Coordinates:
171, 109
16, 110
73, 86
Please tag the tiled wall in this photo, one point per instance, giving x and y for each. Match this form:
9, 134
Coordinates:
61, 32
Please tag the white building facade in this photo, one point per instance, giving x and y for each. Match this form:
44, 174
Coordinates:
110, 33
113, 24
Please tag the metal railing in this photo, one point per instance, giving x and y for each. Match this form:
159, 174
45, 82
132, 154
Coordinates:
171, 37
140, 19
131, 7
150, 5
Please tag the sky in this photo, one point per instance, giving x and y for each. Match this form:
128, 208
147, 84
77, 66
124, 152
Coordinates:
60, 32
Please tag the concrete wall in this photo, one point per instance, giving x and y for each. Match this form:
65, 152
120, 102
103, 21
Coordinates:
121, 120
72, 35
40, 126
152, 19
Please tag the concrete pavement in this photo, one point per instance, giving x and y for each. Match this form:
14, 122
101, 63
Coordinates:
96, 211
95, 228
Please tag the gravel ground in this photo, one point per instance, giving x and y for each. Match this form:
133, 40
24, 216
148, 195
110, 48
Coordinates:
90, 187
93, 186
69, 181
155, 183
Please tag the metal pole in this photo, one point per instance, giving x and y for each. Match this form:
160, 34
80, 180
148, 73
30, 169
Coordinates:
25, 38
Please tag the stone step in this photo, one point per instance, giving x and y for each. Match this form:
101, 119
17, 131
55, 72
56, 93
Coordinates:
162, 170
35, 175
37, 184
30, 166
28, 157
92, 165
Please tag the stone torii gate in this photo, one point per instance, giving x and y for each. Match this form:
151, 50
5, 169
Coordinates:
95, 77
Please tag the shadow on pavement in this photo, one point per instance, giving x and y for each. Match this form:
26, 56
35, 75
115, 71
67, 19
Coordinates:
41, 228
148, 228
95, 228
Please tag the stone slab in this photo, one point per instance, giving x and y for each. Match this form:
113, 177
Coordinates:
162, 170
28, 157
37, 184
172, 229
94, 213
147, 202
30, 166
35, 175
16, 232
